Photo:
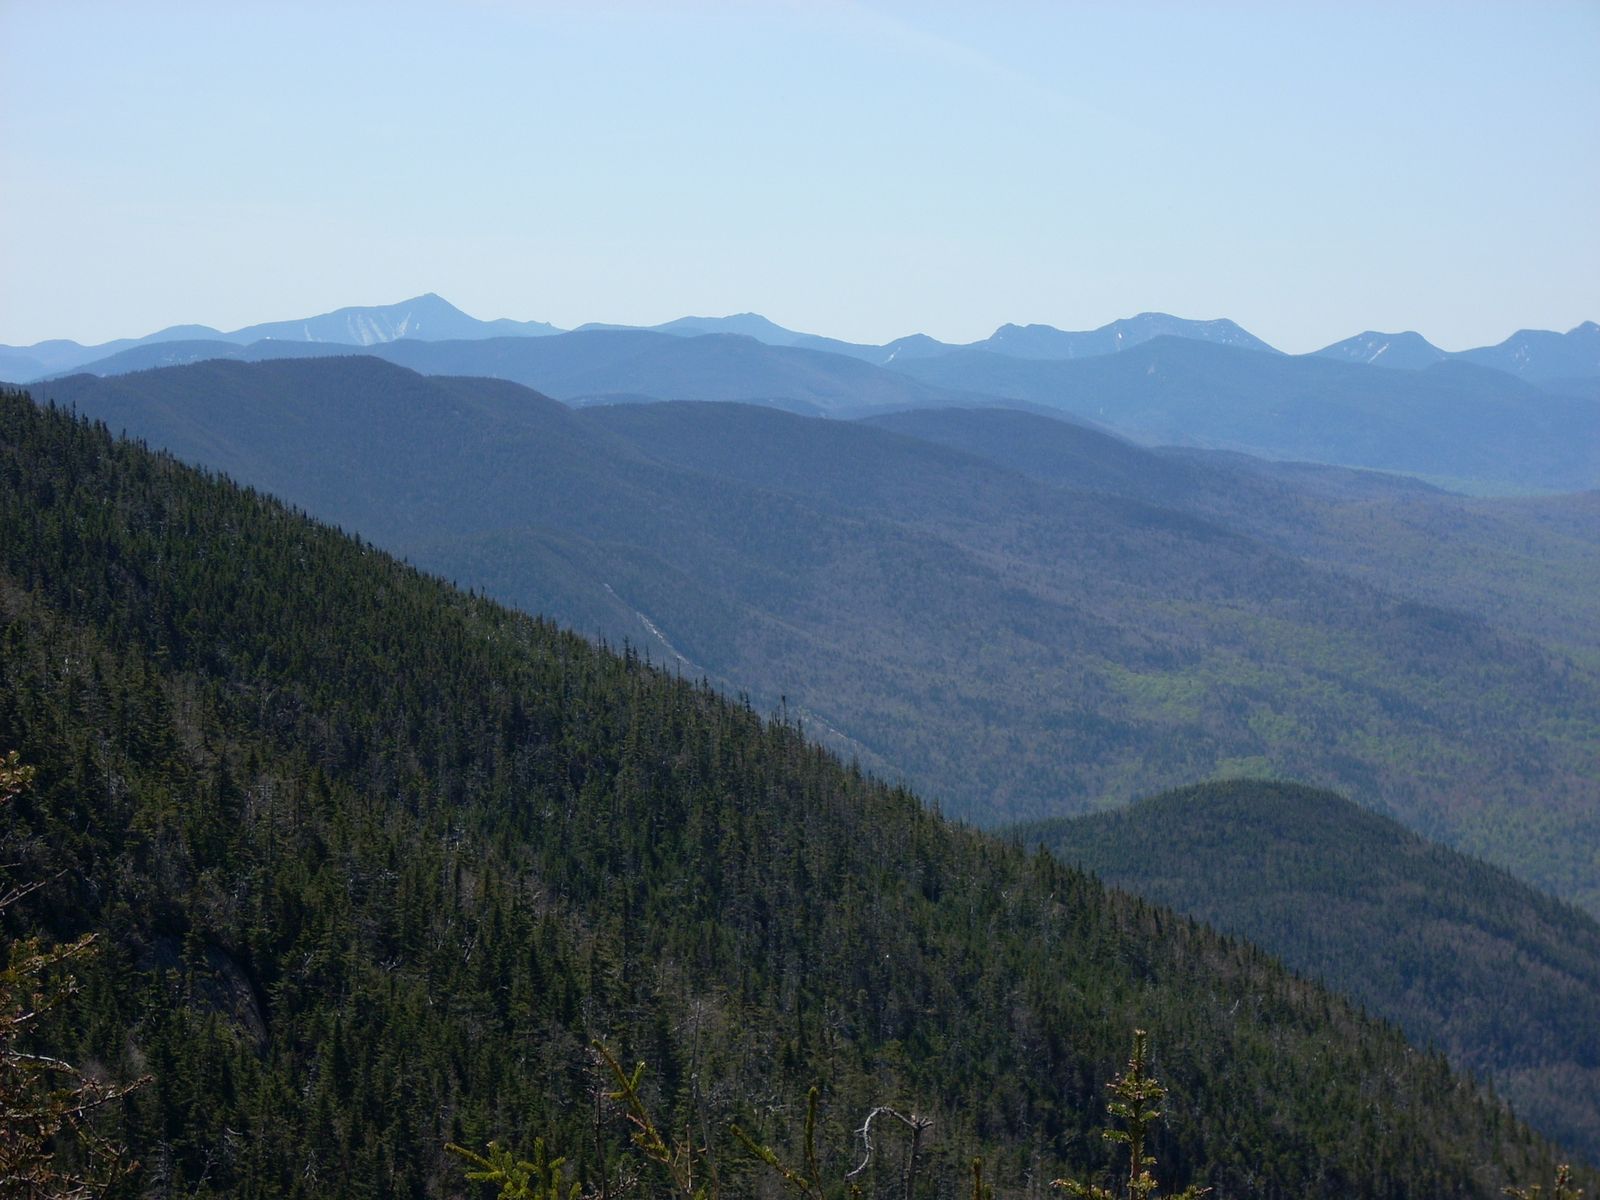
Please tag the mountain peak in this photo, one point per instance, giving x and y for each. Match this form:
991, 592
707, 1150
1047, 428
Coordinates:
746, 324
1538, 355
429, 299
428, 317
1046, 341
1408, 350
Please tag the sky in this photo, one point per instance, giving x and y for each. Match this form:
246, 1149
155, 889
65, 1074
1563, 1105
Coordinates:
861, 170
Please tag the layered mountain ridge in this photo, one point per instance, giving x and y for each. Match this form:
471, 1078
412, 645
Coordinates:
954, 614
1539, 355
371, 861
1458, 420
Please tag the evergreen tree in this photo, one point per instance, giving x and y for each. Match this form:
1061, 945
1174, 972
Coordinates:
1135, 1093
48, 1144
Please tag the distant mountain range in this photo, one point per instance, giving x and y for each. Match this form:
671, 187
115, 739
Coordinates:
1541, 355
1013, 341
1043, 341
1466, 426
1536, 355
427, 317
1520, 417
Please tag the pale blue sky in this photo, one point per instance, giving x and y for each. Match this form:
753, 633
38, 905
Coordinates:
856, 169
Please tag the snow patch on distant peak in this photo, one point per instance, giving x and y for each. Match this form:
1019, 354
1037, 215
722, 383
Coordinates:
370, 329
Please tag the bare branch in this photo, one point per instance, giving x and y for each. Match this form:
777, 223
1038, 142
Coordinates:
914, 1123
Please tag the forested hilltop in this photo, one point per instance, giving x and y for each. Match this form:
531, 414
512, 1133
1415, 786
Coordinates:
1503, 978
373, 860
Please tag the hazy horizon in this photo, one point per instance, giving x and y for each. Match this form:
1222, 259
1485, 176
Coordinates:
862, 171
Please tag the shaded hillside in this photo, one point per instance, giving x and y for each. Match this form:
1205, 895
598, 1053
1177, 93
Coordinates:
1459, 954
372, 861
181, 352
1014, 649
591, 363
711, 367
62, 354
1528, 564
1451, 421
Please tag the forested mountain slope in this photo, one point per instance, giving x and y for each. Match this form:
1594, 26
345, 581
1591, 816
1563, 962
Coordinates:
1458, 953
1529, 564
373, 860
1013, 648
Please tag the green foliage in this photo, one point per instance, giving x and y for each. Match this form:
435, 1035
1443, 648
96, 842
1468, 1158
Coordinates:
805, 1182
980, 1190
48, 1143
540, 1178
370, 861
1501, 977
1134, 1095
1563, 1190
681, 1158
